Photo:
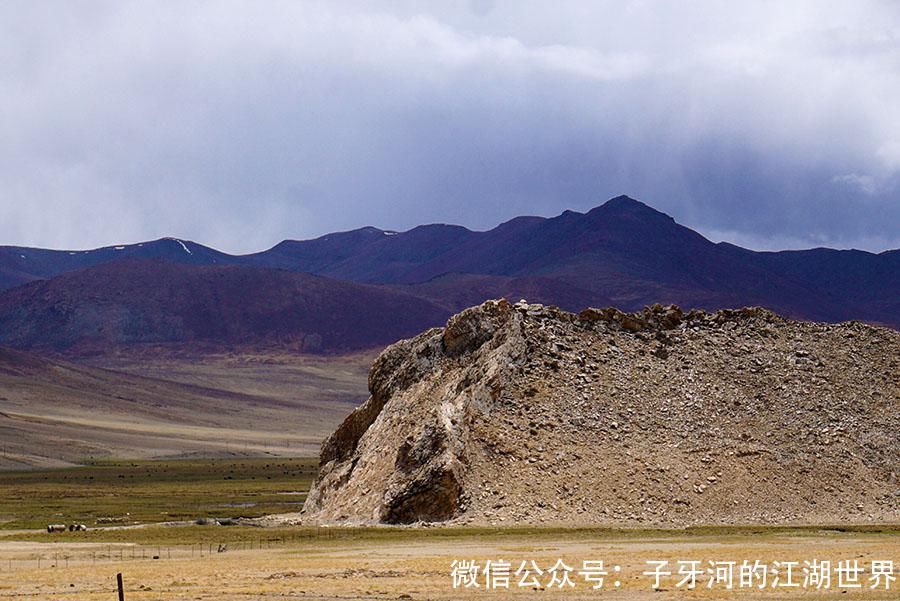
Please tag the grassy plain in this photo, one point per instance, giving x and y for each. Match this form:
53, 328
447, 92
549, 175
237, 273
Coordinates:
140, 492
416, 564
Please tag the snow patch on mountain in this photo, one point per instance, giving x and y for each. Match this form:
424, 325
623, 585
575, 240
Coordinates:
183, 245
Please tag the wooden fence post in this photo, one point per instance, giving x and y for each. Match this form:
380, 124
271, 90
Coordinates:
121, 587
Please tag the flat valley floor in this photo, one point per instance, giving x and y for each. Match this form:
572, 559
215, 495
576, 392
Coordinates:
161, 405
416, 564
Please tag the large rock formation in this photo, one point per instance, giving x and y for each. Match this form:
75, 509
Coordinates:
529, 414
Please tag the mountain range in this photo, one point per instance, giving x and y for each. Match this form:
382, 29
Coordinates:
368, 287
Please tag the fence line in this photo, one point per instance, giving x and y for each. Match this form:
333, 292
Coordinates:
124, 551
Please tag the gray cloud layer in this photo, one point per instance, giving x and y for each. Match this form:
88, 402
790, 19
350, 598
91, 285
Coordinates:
238, 124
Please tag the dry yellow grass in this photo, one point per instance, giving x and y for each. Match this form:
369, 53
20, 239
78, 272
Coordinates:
420, 567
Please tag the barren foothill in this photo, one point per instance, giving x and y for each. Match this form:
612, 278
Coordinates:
528, 414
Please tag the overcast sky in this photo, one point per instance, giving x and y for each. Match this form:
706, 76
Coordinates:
239, 124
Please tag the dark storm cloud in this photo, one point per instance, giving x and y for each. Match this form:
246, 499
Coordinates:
238, 123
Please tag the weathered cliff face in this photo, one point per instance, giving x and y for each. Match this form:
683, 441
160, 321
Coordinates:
528, 414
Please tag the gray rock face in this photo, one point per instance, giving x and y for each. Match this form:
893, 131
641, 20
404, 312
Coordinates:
426, 484
529, 414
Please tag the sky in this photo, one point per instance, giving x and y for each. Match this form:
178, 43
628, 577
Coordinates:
239, 124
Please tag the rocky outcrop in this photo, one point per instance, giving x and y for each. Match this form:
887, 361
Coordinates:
529, 414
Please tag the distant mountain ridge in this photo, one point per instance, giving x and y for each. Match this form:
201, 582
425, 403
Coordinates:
622, 253
144, 301
19, 264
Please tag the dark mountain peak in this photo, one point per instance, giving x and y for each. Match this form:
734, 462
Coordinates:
623, 199
362, 233
522, 220
514, 227
625, 205
170, 243
439, 227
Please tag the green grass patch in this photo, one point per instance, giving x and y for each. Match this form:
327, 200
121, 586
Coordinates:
139, 492
313, 536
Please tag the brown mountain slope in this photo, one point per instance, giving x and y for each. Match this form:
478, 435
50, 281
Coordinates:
133, 302
528, 414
